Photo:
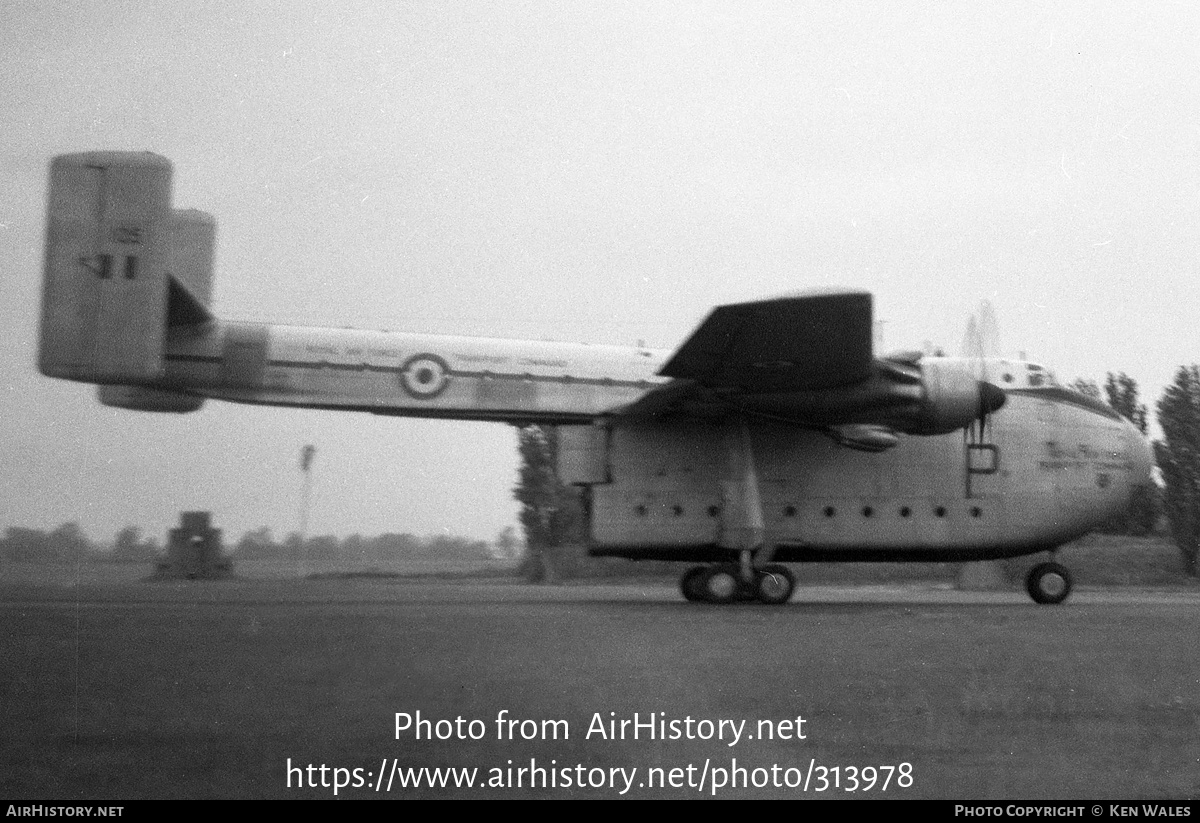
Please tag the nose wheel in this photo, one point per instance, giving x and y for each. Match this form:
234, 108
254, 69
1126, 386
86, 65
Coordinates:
723, 583
1048, 583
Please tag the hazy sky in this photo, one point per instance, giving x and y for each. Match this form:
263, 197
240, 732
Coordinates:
601, 172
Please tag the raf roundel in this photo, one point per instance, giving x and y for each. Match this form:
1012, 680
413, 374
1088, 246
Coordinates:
424, 376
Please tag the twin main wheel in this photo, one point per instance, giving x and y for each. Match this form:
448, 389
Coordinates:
772, 584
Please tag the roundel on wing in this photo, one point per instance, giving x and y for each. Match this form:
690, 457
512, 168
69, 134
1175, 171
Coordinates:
424, 376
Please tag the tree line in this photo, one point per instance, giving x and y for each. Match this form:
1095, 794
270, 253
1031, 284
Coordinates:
1177, 498
259, 544
68, 543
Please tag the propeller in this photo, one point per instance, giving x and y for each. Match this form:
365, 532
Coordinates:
981, 344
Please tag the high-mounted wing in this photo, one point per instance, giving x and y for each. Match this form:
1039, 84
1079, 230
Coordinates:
802, 342
807, 360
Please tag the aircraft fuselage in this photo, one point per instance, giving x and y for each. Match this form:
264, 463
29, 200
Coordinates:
1061, 466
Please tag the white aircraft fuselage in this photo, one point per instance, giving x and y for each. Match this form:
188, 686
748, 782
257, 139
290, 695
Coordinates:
1067, 463
415, 375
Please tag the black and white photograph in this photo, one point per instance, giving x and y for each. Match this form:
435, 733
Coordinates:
587, 400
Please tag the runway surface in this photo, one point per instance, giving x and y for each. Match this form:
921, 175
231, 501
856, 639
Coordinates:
237, 688
432, 589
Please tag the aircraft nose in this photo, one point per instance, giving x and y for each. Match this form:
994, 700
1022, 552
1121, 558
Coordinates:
1142, 455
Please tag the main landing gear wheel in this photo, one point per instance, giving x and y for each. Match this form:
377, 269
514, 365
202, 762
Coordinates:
774, 584
722, 584
1048, 583
692, 584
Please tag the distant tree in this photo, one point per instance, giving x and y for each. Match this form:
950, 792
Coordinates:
1121, 392
128, 547
1086, 387
551, 512
392, 546
258, 544
127, 540
1178, 456
355, 548
321, 547
447, 547
68, 542
507, 545
25, 544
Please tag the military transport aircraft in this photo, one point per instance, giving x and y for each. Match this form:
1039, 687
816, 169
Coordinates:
773, 434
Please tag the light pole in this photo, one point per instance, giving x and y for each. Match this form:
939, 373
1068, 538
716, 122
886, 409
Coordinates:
306, 458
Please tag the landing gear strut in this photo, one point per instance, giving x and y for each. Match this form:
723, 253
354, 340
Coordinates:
1048, 583
723, 583
742, 530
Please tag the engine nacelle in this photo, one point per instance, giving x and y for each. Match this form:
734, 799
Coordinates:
953, 398
139, 398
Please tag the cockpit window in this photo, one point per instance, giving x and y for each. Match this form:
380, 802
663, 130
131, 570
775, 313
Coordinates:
1040, 375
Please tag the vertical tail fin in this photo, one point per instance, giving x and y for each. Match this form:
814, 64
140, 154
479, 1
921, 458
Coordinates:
108, 237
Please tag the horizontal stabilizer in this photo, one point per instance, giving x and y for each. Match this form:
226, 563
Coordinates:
140, 398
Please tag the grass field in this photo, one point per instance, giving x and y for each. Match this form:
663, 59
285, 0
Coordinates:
129, 690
